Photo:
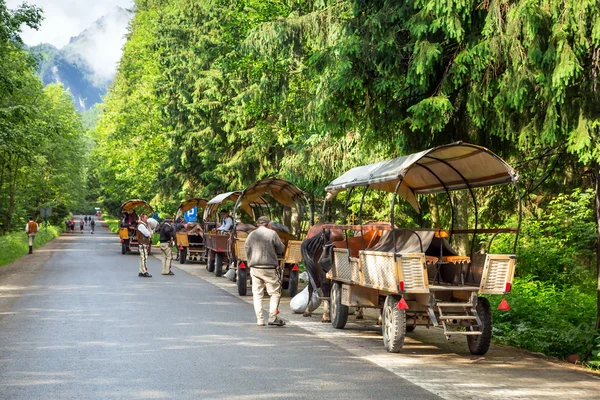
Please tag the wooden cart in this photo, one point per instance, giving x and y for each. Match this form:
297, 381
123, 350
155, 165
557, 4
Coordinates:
191, 247
413, 275
128, 232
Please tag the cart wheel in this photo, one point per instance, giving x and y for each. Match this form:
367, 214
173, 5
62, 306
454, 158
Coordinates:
293, 283
218, 264
393, 325
339, 312
210, 266
123, 248
479, 345
242, 281
182, 255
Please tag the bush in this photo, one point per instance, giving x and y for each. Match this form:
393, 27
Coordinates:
15, 245
547, 318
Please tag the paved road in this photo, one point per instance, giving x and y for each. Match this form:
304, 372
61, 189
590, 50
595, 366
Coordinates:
76, 322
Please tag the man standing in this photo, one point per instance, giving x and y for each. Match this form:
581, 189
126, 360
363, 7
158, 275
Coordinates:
92, 224
31, 229
143, 236
262, 247
167, 237
226, 221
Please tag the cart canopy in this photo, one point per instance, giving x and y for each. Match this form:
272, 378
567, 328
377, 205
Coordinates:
450, 167
131, 204
281, 190
212, 207
189, 204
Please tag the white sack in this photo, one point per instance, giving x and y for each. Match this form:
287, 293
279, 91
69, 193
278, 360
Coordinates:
300, 301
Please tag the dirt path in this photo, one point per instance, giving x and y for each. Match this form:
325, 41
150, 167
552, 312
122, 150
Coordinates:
444, 367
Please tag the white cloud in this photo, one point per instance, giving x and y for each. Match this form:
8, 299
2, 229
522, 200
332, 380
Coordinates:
64, 19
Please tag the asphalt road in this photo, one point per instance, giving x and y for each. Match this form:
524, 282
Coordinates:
76, 322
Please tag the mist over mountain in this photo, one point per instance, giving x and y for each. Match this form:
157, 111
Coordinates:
87, 64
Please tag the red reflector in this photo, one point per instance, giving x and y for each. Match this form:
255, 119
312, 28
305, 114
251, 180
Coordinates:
277, 311
504, 306
242, 265
295, 268
401, 286
402, 304
122, 240
180, 247
219, 249
507, 287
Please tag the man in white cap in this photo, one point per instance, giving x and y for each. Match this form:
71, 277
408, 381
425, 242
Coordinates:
262, 247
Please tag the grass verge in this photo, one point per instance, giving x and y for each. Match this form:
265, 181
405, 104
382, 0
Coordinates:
14, 245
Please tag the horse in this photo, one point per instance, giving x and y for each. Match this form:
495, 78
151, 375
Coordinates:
312, 249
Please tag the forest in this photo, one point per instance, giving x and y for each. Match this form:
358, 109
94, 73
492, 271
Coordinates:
212, 95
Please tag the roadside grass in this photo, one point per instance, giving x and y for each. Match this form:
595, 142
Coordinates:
552, 319
14, 245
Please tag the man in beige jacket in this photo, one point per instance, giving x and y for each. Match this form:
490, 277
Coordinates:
262, 247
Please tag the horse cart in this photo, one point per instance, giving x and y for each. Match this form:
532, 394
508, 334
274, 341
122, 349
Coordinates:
219, 243
414, 275
285, 200
190, 242
130, 210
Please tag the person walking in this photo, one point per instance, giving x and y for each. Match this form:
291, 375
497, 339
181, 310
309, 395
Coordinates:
31, 229
167, 238
81, 224
262, 247
144, 236
92, 224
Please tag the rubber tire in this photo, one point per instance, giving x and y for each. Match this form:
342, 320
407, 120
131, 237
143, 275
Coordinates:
182, 255
393, 326
479, 345
218, 264
293, 283
123, 248
210, 266
339, 312
242, 281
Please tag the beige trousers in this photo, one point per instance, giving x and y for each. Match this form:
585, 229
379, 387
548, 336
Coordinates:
31, 237
261, 278
143, 258
167, 251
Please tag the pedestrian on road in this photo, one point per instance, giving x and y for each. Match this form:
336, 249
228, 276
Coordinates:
31, 229
67, 225
144, 236
262, 247
72, 225
85, 219
167, 238
81, 223
92, 224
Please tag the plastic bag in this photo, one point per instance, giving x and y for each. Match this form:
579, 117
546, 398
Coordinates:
300, 301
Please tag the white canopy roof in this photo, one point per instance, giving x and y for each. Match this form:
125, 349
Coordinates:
430, 171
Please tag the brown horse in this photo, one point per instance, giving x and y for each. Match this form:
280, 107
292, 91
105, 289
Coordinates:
312, 249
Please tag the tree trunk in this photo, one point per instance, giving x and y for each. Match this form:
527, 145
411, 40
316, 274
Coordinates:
597, 205
461, 209
434, 211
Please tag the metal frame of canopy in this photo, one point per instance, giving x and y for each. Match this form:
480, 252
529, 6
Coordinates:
289, 195
444, 168
133, 203
190, 250
364, 276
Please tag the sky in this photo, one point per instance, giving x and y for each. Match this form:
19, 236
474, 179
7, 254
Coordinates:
64, 19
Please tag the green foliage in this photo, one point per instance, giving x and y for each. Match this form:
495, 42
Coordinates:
43, 147
557, 246
595, 358
15, 245
546, 318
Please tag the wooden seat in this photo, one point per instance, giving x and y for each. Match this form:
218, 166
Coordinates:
431, 259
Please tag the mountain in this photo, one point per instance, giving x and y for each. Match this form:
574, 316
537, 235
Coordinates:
87, 64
